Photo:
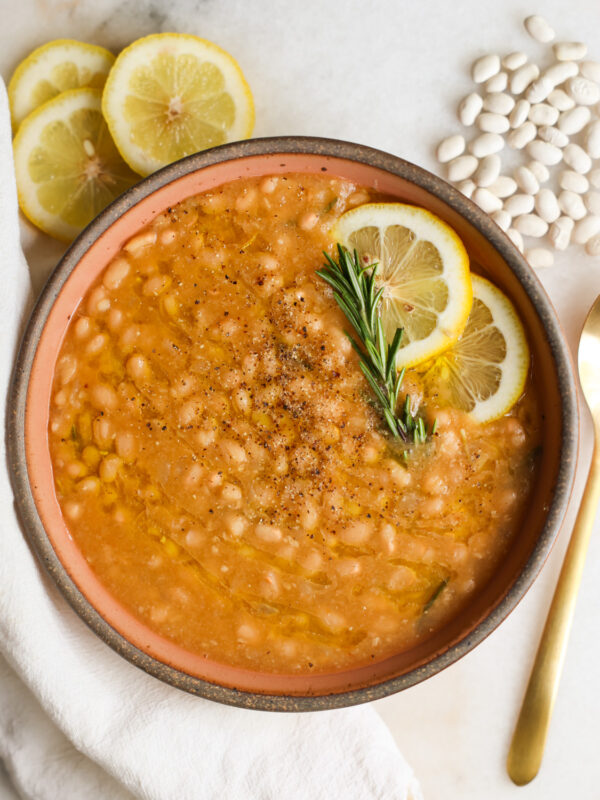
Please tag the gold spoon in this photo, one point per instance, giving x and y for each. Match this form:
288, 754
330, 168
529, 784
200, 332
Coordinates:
529, 738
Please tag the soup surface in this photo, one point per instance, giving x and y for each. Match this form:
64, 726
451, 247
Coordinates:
222, 467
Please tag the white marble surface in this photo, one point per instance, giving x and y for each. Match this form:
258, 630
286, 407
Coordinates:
389, 74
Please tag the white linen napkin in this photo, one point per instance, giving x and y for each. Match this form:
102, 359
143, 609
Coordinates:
77, 721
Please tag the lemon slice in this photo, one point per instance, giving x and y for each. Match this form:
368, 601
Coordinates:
423, 268
170, 95
67, 166
484, 373
54, 68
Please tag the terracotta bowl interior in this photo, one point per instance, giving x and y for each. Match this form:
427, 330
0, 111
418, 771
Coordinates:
146, 643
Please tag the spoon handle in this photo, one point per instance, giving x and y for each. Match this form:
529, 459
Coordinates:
529, 738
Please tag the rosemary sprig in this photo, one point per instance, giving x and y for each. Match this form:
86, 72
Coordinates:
356, 294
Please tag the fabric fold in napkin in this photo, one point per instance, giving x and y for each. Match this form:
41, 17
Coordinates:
77, 721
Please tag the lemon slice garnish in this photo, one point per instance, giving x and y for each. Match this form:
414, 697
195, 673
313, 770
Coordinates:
54, 68
423, 268
170, 95
67, 166
484, 373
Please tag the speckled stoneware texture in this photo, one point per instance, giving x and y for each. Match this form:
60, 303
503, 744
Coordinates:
486, 243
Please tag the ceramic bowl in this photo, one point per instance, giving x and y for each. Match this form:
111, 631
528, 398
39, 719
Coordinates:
30, 394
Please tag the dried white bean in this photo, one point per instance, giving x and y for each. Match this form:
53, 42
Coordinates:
522, 77
531, 225
516, 238
573, 181
486, 144
519, 113
592, 139
498, 103
488, 170
574, 120
498, 83
552, 135
539, 29
592, 202
487, 201
586, 228
544, 153
469, 108
526, 180
521, 136
514, 60
561, 100
576, 157
559, 73
543, 114
569, 51
539, 90
503, 186
502, 219
519, 204
591, 70
594, 178
492, 123
571, 204
466, 187
560, 232
540, 171
486, 66
584, 91
461, 168
450, 148
546, 205
539, 257
592, 247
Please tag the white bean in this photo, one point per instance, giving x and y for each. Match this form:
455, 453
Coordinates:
514, 60
461, 168
486, 144
526, 180
492, 123
469, 108
560, 232
540, 171
576, 157
592, 247
498, 103
522, 77
502, 219
498, 83
545, 153
548, 133
584, 91
546, 205
519, 113
487, 201
586, 228
539, 90
571, 204
559, 73
539, 257
531, 225
573, 181
592, 202
592, 139
488, 170
521, 136
539, 29
591, 70
574, 120
516, 238
503, 186
569, 51
543, 114
485, 67
594, 178
466, 187
561, 100
519, 204
450, 148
